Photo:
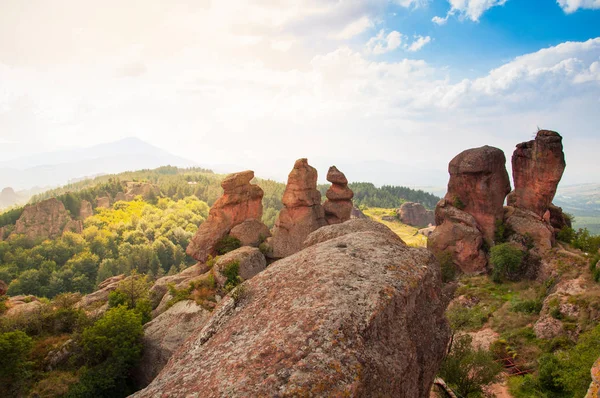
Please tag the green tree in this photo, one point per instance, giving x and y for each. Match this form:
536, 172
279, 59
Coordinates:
506, 261
14, 349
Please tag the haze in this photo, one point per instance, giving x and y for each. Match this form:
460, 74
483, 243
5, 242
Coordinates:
393, 86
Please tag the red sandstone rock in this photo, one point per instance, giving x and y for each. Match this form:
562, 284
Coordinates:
361, 315
86, 210
302, 212
458, 235
538, 166
338, 206
557, 219
415, 214
523, 223
250, 262
251, 232
240, 201
103, 202
478, 185
45, 220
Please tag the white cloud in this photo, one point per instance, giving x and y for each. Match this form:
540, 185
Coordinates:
418, 43
570, 6
354, 28
382, 43
411, 3
471, 9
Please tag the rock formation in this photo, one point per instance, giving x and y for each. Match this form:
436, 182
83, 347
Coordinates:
45, 220
251, 232
249, 259
338, 206
478, 185
557, 219
103, 202
163, 336
457, 234
241, 201
143, 189
86, 210
358, 225
358, 315
594, 391
415, 214
538, 166
302, 212
427, 231
160, 287
356, 213
468, 214
525, 223
100, 296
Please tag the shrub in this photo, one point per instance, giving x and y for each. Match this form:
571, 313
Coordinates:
227, 244
463, 318
528, 306
231, 272
447, 267
467, 370
458, 203
14, 348
566, 234
506, 260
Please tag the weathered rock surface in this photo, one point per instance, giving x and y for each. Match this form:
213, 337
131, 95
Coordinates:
251, 261
103, 202
302, 212
352, 226
527, 223
86, 210
163, 336
120, 196
160, 287
356, 213
44, 220
251, 232
594, 391
427, 231
478, 185
538, 166
338, 206
59, 356
557, 219
240, 201
415, 214
359, 315
23, 307
100, 296
457, 234
3, 288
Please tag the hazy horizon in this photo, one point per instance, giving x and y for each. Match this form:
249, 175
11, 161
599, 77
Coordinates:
402, 84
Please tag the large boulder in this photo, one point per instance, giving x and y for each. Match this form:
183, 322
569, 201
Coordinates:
415, 214
251, 232
525, 224
457, 234
338, 206
478, 185
538, 166
240, 201
44, 220
349, 227
594, 391
358, 315
302, 212
250, 262
161, 286
557, 218
100, 297
163, 336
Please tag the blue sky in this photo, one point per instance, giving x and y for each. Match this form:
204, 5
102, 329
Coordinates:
391, 88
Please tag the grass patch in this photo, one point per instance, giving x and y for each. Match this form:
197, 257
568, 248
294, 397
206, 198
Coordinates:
410, 235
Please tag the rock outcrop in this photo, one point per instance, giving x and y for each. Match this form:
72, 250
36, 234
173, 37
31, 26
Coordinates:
160, 287
557, 218
427, 231
100, 297
594, 391
45, 220
251, 232
478, 185
457, 234
241, 201
143, 189
250, 261
356, 213
358, 225
103, 202
302, 212
338, 206
163, 336
538, 166
358, 315
525, 224
415, 214
86, 210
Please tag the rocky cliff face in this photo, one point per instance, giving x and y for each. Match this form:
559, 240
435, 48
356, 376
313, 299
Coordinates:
241, 201
302, 212
338, 206
415, 214
46, 220
361, 310
538, 166
594, 391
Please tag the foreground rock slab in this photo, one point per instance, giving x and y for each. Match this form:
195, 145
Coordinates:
360, 315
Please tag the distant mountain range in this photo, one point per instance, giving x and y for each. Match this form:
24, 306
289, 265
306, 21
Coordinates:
58, 168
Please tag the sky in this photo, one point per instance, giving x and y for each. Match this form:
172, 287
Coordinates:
388, 84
